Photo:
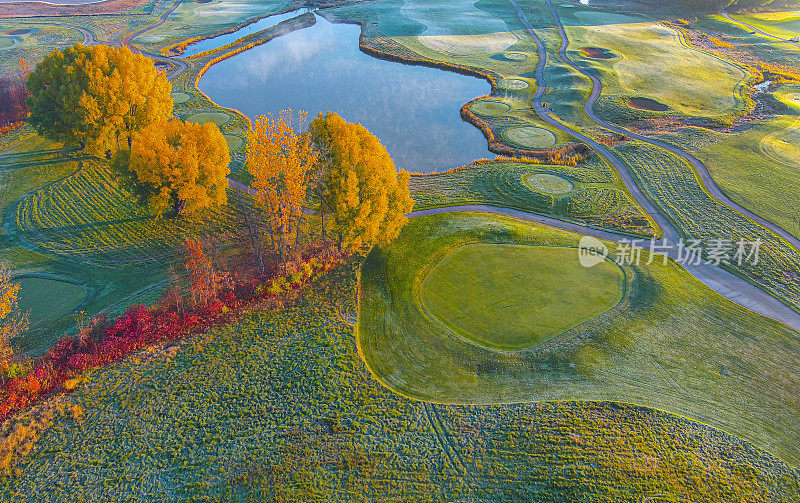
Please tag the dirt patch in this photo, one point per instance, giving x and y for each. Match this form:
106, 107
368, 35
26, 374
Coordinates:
647, 104
597, 53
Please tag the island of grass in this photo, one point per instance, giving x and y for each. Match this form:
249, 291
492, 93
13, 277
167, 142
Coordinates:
515, 297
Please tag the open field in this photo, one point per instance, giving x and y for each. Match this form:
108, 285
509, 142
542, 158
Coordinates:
286, 410
651, 62
517, 297
671, 343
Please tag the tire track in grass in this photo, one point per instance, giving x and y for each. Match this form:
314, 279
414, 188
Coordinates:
444, 439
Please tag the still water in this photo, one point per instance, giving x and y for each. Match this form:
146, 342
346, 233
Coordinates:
220, 40
413, 110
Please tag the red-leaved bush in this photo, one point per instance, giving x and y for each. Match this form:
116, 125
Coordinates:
142, 326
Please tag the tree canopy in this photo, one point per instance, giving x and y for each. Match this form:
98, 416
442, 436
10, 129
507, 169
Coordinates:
358, 184
97, 96
280, 157
179, 165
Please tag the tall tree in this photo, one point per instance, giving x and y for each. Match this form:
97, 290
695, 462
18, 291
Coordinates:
357, 184
178, 165
97, 96
12, 322
280, 156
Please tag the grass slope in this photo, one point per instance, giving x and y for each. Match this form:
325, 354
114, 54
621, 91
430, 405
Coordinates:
280, 407
671, 343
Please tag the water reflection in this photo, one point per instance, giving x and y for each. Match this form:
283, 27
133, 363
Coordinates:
413, 110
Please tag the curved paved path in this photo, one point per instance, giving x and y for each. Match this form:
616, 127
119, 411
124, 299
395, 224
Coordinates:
756, 30
726, 284
723, 282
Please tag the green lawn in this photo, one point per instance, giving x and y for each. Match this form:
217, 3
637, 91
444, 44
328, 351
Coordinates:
517, 297
671, 343
279, 407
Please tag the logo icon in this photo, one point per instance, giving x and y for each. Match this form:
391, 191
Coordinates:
591, 251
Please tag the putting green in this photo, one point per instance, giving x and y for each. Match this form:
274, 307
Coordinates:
490, 107
547, 183
234, 141
48, 299
531, 137
218, 118
179, 97
516, 56
513, 84
6, 42
515, 297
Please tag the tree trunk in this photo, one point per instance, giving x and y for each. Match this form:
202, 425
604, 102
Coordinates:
179, 206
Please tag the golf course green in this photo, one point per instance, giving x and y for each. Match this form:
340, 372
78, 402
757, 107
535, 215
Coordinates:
516, 297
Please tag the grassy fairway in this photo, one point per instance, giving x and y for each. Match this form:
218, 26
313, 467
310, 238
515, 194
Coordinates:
652, 63
757, 169
671, 343
517, 297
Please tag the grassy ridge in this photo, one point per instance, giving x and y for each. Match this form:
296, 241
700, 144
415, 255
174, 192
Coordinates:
279, 406
671, 343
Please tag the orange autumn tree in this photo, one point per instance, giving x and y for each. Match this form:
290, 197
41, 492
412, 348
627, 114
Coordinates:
204, 280
178, 165
280, 156
12, 322
357, 184
97, 96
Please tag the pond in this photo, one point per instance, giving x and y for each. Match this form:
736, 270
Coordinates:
414, 110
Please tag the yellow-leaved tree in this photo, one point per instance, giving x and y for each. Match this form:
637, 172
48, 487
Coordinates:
357, 184
12, 322
179, 166
97, 96
280, 156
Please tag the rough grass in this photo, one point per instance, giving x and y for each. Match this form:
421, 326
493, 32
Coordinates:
652, 62
672, 343
767, 185
280, 407
67, 220
673, 185
517, 297
596, 197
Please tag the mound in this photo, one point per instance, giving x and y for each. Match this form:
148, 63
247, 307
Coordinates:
513, 84
530, 137
597, 53
490, 107
516, 297
179, 97
647, 104
218, 118
547, 183
460, 45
